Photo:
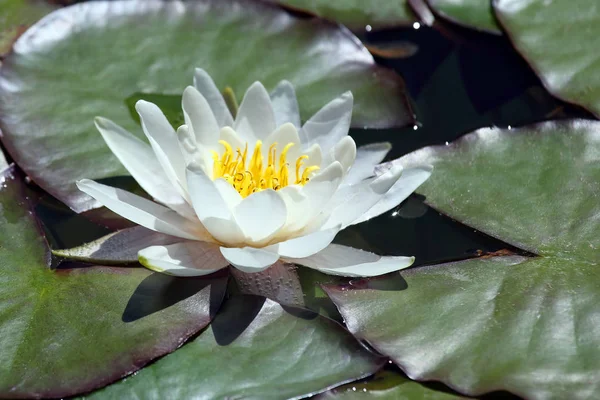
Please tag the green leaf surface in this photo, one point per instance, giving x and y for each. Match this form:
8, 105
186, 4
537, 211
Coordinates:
560, 40
387, 385
68, 331
74, 66
527, 325
476, 14
16, 15
254, 349
357, 14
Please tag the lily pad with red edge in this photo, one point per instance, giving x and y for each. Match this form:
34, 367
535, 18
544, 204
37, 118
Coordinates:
526, 323
475, 14
560, 40
357, 14
74, 65
71, 330
254, 348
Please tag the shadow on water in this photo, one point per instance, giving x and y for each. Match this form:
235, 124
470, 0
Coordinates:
160, 291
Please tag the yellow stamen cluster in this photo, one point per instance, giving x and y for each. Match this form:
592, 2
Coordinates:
253, 175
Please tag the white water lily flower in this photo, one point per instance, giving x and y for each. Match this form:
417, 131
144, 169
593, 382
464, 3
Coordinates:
255, 189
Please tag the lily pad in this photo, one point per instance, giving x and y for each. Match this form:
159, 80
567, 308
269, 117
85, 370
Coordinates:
357, 14
72, 66
560, 41
254, 349
476, 14
68, 331
16, 15
527, 325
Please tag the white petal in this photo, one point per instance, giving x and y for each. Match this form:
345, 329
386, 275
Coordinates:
348, 261
199, 117
261, 215
230, 136
255, 119
140, 161
314, 155
231, 196
249, 259
410, 180
367, 157
206, 86
187, 143
358, 199
141, 211
345, 152
282, 136
318, 191
329, 125
307, 245
285, 104
183, 259
163, 139
212, 208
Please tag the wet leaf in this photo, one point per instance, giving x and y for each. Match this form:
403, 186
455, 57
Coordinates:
76, 66
357, 14
476, 14
527, 325
254, 349
559, 40
70, 330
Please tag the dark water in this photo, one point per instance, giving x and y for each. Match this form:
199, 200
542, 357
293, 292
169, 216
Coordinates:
458, 82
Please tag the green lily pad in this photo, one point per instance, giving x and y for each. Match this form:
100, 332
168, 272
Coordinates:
527, 325
16, 15
68, 331
560, 41
388, 385
253, 349
476, 14
73, 66
357, 14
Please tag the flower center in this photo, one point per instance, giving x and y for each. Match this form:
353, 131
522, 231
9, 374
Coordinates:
254, 175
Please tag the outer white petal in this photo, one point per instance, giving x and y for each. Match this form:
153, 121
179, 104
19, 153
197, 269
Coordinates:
141, 211
163, 139
345, 152
307, 245
187, 143
367, 157
206, 86
285, 104
410, 180
212, 208
255, 119
261, 215
348, 261
249, 259
183, 259
360, 198
140, 161
199, 117
329, 125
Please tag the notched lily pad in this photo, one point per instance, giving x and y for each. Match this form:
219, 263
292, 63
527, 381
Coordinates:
255, 348
62, 74
527, 325
68, 331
